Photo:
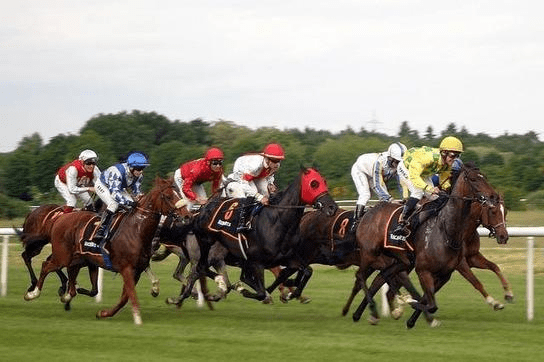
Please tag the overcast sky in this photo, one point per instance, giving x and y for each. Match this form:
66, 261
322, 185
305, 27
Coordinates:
288, 64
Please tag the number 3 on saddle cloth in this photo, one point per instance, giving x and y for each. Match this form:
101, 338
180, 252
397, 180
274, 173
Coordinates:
231, 214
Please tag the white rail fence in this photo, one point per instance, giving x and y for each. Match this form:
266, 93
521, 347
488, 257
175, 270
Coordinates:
529, 232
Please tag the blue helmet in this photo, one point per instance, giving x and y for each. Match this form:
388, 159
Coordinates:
137, 159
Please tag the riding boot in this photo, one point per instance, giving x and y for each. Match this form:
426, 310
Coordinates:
102, 231
243, 223
402, 227
357, 213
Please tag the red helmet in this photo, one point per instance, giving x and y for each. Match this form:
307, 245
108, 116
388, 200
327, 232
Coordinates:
214, 154
274, 150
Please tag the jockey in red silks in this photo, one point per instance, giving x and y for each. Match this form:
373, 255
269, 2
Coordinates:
190, 176
77, 179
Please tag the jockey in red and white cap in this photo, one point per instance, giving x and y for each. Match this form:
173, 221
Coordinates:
77, 179
253, 174
190, 176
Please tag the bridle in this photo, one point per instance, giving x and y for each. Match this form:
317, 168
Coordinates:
172, 206
487, 205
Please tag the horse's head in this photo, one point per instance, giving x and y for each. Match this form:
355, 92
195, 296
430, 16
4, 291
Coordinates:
314, 191
165, 199
494, 218
472, 185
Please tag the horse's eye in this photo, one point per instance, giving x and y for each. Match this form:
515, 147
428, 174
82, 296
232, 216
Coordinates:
314, 184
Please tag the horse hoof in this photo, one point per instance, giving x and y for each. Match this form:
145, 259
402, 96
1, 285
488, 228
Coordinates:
498, 306
154, 293
304, 300
67, 307
397, 313
435, 323
268, 300
101, 314
509, 298
172, 300
356, 318
373, 320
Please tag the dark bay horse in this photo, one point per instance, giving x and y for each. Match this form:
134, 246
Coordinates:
129, 248
437, 243
326, 240
273, 236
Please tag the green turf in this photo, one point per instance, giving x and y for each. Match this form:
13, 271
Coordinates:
246, 330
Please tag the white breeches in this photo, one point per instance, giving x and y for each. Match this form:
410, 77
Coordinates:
71, 199
361, 184
244, 189
104, 193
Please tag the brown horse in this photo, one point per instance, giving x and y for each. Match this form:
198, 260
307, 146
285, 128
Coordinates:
35, 235
327, 240
437, 243
129, 249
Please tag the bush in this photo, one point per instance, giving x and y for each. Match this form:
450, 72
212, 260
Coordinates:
11, 208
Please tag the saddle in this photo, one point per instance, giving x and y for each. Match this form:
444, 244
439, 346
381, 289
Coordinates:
422, 213
87, 233
227, 216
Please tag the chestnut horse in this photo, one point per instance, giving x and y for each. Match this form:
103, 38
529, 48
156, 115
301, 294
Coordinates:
273, 236
438, 242
36, 234
129, 248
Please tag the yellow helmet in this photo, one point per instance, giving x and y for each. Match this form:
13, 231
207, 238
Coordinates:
451, 144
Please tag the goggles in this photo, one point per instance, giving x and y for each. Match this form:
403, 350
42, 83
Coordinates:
90, 162
217, 162
138, 168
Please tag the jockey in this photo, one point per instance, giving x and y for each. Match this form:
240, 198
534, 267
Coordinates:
253, 174
77, 179
190, 176
416, 170
114, 185
371, 171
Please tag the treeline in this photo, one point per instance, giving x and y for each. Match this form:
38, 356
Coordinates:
513, 163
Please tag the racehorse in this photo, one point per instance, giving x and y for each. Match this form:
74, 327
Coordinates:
129, 249
472, 258
327, 240
35, 235
272, 237
437, 243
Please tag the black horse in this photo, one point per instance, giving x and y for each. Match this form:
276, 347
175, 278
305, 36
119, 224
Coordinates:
273, 236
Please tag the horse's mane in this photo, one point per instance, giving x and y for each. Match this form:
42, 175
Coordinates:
276, 197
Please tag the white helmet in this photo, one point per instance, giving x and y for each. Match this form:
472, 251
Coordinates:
396, 151
87, 155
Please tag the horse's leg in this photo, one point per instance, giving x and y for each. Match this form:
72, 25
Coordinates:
357, 286
63, 282
93, 277
282, 277
155, 282
129, 292
253, 276
48, 266
367, 299
281, 288
197, 271
73, 271
481, 262
31, 249
303, 276
464, 269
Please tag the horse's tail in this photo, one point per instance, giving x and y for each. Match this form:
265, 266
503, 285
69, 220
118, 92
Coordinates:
18, 232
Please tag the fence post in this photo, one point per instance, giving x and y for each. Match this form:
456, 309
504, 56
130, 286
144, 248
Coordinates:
4, 273
530, 278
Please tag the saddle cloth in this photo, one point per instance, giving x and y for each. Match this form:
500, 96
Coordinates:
226, 216
87, 233
391, 241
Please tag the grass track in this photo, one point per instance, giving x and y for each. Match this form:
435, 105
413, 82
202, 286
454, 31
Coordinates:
241, 329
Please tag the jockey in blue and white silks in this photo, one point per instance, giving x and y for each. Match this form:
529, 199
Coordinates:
117, 185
